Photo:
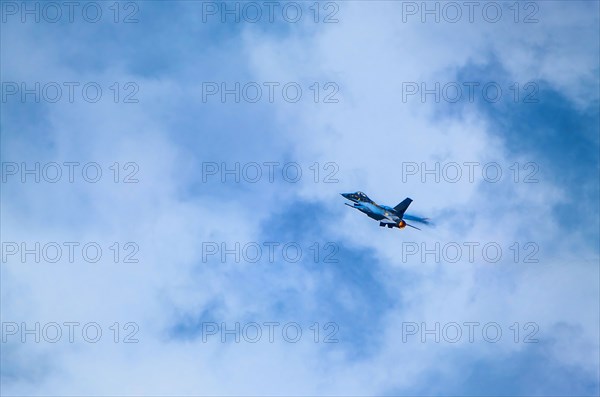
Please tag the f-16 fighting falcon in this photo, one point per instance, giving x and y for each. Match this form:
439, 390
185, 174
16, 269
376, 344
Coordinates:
387, 216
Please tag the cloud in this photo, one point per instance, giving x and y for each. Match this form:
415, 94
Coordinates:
375, 289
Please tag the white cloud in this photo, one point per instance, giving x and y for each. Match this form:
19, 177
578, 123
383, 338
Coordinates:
368, 134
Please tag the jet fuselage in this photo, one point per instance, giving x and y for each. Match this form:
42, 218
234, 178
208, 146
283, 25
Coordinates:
375, 211
385, 215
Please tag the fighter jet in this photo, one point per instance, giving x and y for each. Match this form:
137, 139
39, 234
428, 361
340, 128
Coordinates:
387, 216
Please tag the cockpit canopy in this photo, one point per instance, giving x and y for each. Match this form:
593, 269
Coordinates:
358, 197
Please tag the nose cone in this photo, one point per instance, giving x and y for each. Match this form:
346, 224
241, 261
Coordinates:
346, 195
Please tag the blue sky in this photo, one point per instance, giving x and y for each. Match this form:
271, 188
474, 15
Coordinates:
373, 290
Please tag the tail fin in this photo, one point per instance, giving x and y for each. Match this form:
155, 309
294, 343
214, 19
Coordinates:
400, 208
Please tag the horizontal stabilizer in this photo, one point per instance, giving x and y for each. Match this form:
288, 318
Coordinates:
414, 227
